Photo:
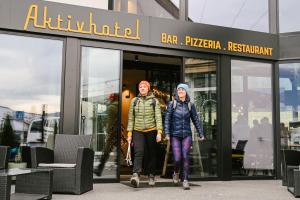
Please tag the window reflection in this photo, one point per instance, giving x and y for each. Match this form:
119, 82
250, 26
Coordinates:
176, 2
288, 13
289, 83
200, 75
102, 4
252, 129
100, 76
163, 8
141, 7
30, 88
243, 14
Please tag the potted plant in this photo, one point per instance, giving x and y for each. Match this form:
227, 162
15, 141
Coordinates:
17, 161
8, 138
7, 134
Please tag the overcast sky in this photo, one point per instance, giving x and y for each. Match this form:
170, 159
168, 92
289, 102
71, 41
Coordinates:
245, 14
102, 4
100, 71
289, 15
30, 71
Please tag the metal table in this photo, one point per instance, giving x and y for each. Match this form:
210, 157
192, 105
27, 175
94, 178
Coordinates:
30, 184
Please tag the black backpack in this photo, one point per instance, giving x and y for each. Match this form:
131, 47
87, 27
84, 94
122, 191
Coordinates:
174, 103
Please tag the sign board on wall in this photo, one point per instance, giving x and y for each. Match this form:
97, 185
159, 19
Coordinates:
82, 22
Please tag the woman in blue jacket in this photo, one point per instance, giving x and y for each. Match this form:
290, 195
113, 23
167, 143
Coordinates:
178, 118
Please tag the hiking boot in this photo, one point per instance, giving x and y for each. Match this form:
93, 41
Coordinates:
186, 185
135, 180
176, 178
151, 180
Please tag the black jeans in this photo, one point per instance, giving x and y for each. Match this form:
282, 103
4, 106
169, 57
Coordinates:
141, 142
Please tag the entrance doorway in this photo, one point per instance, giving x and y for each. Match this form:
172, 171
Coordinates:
163, 73
105, 100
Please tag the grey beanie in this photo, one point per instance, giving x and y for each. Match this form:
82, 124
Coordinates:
185, 87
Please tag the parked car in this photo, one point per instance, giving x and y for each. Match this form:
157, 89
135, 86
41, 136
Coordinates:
295, 135
34, 135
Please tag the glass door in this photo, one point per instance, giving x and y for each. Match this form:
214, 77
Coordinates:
99, 106
201, 76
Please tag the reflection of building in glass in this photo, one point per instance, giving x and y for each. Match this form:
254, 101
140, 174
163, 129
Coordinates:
200, 74
259, 148
289, 83
102, 4
28, 126
252, 117
242, 14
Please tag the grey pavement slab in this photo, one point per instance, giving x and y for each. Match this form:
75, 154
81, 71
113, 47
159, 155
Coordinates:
208, 190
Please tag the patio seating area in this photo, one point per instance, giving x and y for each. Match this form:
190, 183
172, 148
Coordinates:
66, 169
290, 169
71, 161
71, 167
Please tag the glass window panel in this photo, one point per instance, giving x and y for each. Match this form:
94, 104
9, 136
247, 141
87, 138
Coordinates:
117, 5
252, 129
176, 2
289, 84
102, 4
30, 88
243, 14
141, 7
200, 75
288, 15
100, 79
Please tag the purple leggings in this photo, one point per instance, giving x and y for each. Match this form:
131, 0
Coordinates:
181, 148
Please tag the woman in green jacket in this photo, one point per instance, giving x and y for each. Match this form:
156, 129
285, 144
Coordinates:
144, 129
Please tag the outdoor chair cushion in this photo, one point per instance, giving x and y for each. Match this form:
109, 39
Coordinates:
57, 165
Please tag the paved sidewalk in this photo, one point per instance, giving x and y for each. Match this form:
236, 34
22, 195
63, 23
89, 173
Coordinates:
208, 190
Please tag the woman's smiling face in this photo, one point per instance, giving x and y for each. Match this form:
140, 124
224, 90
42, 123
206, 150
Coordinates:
181, 93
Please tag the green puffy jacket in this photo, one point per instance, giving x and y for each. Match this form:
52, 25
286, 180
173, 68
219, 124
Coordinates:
146, 116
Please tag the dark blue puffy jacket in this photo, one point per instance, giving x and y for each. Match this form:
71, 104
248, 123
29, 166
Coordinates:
178, 120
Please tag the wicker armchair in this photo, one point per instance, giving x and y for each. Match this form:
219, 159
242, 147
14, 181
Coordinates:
71, 161
4, 156
290, 161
